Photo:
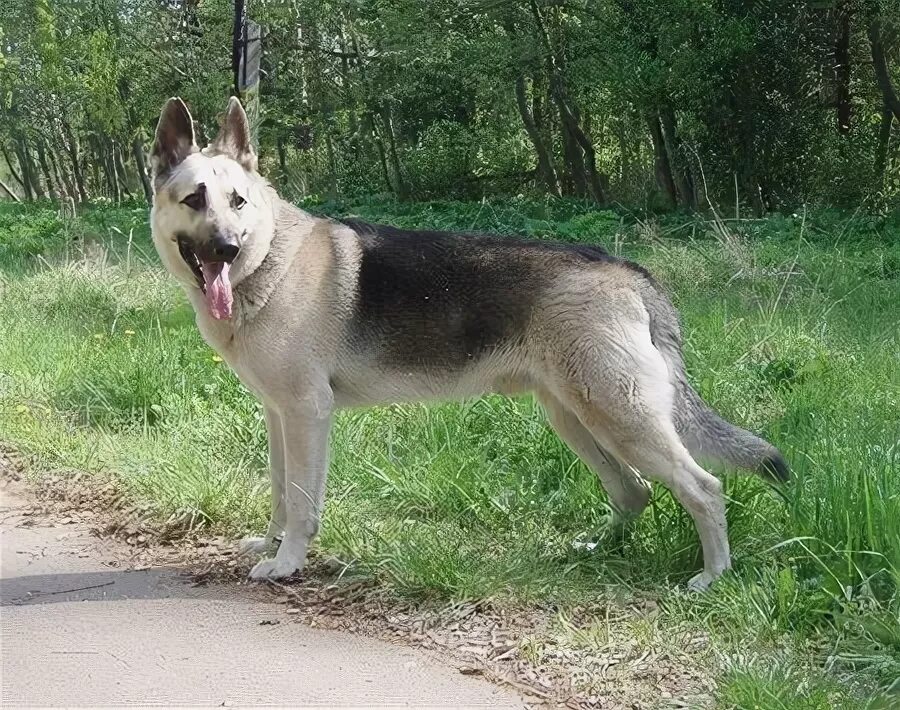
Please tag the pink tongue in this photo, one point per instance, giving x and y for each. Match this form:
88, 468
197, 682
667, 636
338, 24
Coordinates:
218, 289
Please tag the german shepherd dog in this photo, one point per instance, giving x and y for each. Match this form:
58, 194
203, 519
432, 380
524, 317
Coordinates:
317, 314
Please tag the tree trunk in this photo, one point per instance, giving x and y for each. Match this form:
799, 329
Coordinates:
45, 169
883, 146
882, 72
24, 165
369, 118
599, 180
681, 170
29, 169
577, 184
571, 126
9, 164
352, 117
385, 142
104, 149
63, 179
37, 185
541, 120
109, 163
662, 167
90, 168
135, 148
119, 172
119, 165
537, 108
402, 188
9, 192
745, 160
624, 152
545, 165
90, 164
137, 152
332, 167
567, 116
842, 68
282, 154
70, 145
531, 121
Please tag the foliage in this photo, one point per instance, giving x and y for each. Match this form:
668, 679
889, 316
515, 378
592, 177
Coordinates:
665, 103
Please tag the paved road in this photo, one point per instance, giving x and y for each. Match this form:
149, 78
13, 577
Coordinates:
76, 631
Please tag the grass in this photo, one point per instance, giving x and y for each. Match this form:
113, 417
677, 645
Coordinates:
792, 329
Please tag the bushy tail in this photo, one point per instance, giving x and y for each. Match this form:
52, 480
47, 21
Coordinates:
705, 434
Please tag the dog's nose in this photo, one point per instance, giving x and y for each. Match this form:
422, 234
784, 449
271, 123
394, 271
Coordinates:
223, 248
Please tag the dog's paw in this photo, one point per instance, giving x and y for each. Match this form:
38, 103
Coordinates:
255, 546
700, 582
274, 568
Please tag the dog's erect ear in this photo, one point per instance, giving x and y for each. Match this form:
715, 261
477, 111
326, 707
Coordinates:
234, 137
174, 137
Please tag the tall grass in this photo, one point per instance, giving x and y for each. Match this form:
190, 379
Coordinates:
792, 329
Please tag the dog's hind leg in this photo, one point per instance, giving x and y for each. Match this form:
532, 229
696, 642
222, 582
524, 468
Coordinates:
277, 519
628, 493
623, 395
697, 490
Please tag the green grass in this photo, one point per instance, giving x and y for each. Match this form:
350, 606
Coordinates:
792, 329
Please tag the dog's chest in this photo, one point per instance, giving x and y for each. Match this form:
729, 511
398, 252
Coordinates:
232, 346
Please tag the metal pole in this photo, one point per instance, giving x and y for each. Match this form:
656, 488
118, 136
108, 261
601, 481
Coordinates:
237, 44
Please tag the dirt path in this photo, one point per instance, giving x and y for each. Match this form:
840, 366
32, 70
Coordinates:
79, 628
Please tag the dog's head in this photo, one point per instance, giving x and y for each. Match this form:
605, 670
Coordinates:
211, 217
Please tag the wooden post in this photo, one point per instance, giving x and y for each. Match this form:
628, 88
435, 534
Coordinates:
246, 52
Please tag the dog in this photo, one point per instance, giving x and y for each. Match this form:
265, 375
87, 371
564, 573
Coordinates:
317, 314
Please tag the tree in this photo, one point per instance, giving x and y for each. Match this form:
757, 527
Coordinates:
779, 101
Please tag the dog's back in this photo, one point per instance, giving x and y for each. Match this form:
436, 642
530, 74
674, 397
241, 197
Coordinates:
446, 300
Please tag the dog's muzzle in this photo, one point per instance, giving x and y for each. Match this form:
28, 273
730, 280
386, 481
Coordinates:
216, 250
219, 248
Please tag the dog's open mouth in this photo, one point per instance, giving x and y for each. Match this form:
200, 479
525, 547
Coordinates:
212, 279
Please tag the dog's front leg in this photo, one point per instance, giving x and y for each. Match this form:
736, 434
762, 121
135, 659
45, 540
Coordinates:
277, 520
305, 435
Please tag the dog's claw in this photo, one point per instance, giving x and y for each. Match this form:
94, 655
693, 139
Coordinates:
273, 568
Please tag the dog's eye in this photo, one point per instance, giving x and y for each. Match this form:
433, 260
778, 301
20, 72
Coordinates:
196, 200
237, 201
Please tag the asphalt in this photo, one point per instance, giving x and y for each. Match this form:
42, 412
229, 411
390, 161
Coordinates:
79, 629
